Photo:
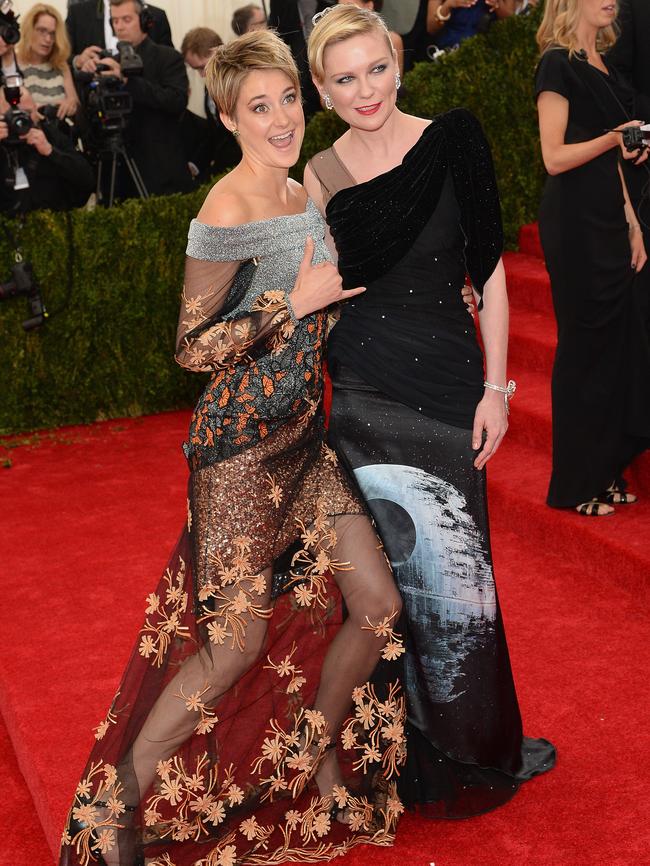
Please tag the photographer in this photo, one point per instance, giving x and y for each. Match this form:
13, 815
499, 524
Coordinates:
90, 31
40, 168
209, 146
153, 133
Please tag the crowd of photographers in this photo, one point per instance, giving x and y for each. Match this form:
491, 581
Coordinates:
98, 104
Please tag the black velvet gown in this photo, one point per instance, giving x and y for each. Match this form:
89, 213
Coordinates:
601, 375
407, 374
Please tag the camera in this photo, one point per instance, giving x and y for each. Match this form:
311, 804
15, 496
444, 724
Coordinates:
108, 104
24, 284
130, 62
9, 28
636, 137
18, 121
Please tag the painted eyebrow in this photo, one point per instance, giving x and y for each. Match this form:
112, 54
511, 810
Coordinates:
264, 96
370, 66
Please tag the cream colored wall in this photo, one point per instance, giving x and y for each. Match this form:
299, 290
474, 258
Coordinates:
183, 15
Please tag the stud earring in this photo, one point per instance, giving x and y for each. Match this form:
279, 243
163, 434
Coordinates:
398, 81
235, 132
329, 105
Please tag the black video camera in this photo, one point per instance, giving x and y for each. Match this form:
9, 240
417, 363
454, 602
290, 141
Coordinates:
23, 284
636, 137
108, 104
9, 27
18, 121
130, 62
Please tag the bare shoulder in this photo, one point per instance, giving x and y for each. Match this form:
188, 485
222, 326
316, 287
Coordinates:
298, 193
225, 207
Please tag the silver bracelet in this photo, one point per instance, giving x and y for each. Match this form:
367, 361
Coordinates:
508, 391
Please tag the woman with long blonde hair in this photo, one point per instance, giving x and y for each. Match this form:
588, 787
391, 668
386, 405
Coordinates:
594, 251
43, 53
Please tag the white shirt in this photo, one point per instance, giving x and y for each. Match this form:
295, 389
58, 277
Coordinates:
109, 37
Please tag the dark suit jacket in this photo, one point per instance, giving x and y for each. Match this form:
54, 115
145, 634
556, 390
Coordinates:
208, 144
284, 17
631, 53
85, 23
153, 136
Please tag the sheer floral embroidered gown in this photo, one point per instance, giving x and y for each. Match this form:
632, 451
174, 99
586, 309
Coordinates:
247, 683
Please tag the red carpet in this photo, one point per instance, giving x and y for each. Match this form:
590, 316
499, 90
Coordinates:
90, 515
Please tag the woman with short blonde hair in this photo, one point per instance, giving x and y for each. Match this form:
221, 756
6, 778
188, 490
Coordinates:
248, 681
594, 251
417, 409
43, 53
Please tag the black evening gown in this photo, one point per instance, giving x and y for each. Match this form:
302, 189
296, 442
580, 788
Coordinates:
601, 374
407, 374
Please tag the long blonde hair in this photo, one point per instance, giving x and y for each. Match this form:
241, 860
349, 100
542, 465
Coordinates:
61, 45
559, 24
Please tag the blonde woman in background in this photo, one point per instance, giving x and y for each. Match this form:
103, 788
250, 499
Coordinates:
594, 250
43, 53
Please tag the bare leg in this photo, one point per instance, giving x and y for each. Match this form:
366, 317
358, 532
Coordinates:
370, 595
210, 673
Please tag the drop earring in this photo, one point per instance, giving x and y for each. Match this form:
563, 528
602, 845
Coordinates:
329, 105
398, 81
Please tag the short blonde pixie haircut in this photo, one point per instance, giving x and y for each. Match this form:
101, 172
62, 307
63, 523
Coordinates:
337, 24
229, 65
558, 28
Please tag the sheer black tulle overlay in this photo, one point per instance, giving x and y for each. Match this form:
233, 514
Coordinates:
246, 729
407, 373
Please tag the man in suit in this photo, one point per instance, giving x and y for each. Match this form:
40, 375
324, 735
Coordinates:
210, 147
153, 134
292, 20
90, 31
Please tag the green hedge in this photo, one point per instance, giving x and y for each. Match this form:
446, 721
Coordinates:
108, 349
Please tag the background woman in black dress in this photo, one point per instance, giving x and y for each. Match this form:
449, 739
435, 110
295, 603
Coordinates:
412, 206
593, 249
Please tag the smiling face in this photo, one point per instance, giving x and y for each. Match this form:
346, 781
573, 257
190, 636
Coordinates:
598, 13
269, 118
360, 79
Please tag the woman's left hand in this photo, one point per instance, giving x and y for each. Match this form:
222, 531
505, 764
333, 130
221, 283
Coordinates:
492, 417
67, 107
637, 247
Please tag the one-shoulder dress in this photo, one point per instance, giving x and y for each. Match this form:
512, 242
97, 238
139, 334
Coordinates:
265, 492
407, 374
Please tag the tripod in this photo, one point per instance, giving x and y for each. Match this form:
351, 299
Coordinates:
112, 150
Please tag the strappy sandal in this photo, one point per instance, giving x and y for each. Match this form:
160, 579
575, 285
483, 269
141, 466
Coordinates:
615, 495
593, 508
